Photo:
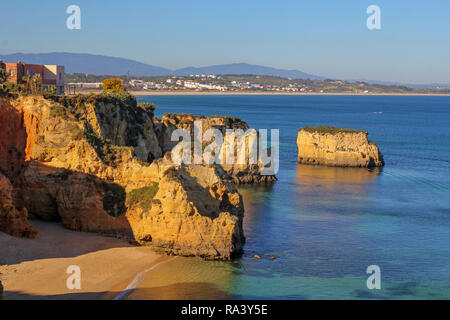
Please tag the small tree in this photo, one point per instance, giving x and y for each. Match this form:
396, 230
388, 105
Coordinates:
27, 84
36, 83
50, 90
113, 85
3, 76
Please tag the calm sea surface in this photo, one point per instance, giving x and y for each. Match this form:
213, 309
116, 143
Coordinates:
327, 225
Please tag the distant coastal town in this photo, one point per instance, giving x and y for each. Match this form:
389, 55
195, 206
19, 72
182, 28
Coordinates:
53, 78
240, 84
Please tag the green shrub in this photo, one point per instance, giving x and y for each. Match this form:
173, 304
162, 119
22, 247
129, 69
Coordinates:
113, 85
147, 106
143, 197
105, 150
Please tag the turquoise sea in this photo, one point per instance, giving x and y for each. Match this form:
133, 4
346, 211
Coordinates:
327, 225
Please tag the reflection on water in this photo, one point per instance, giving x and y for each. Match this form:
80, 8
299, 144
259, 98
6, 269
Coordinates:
331, 177
327, 190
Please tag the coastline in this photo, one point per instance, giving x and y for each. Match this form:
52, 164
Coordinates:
201, 93
36, 269
250, 93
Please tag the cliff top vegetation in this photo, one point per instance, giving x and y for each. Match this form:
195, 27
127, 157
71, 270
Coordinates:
331, 130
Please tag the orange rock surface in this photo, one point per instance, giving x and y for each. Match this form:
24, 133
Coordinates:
339, 149
81, 161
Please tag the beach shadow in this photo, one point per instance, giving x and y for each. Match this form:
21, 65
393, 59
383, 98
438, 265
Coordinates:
54, 241
177, 291
17, 295
85, 203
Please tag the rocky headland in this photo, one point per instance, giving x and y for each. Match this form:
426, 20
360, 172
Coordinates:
102, 163
337, 147
238, 172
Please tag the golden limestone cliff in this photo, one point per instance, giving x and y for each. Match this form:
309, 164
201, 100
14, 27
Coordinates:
95, 163
13, 221
337, 147
240, 171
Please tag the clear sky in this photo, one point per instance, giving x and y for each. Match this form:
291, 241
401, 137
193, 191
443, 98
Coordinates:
323, 37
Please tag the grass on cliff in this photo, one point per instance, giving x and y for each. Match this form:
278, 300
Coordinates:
143, 197
76, 105
331, 130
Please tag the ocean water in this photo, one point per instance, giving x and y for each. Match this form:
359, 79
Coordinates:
327, 225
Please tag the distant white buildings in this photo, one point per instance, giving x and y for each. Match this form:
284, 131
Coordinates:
200, 82
195, 85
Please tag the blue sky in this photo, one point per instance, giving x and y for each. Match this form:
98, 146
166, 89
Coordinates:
323, 37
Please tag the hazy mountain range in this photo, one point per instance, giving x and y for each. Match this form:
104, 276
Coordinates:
104, 65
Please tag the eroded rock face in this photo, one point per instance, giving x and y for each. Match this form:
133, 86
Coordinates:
73, 172
131, 126
193, 212
339, 148
13, 221
239, 172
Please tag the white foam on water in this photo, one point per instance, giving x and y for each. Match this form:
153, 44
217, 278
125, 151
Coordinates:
133, 285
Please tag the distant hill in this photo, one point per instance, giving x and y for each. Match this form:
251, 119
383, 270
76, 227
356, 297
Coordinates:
245, 68
89, 63
104, 65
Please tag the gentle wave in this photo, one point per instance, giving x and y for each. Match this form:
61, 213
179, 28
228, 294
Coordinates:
133, 285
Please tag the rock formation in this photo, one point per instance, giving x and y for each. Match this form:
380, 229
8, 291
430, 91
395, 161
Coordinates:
13, 221
243, 172
337, 147
95, 163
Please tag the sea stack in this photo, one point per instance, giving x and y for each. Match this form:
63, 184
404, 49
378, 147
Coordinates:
337, 147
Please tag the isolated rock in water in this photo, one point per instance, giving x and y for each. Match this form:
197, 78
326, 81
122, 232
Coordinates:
337, 147
13, 221
97, 174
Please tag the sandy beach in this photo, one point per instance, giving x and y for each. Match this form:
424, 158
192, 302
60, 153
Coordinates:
36, 269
